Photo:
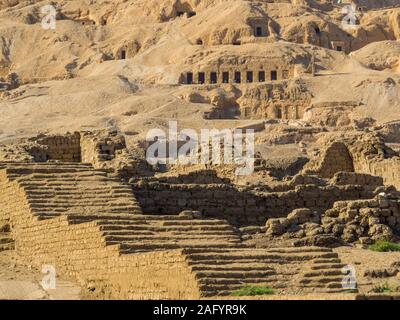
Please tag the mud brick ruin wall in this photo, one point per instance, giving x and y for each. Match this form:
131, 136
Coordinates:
78, 250
354, 157
337, 158
64, 148
388, 169
374, 214
84, 147
100, 146
240, 207
87, 147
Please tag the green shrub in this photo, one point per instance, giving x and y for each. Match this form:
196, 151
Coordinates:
253, 291
382, 288
384, 246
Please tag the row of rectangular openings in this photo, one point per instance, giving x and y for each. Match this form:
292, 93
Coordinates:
201, 77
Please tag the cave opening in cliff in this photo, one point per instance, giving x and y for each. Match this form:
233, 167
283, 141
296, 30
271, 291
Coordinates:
213, 77
261, 76
225, 77
249, 76
238, 77
201, 77
259, 32
189, 78
278, 113
123, 55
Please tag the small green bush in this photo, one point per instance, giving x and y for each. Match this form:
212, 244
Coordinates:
384, 246
383, 288
253, 291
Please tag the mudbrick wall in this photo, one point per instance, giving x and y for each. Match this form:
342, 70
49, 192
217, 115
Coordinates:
57, 147
103, 149
241, 206
388, 169
365, 153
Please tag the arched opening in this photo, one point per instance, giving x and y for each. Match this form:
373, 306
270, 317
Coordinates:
261, 76
249, 76
122, 55
238, 77
201, 78
213, 77
258, 31
278, 113
189, 78
225, 77
337, 158
199, 42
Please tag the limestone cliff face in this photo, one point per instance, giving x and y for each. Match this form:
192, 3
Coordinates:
8, 3
101, 49
91, 32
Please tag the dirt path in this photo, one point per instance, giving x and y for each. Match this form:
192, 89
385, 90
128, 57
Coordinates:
21, 282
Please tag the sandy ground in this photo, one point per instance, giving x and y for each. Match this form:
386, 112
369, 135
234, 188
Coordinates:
364, 260
21, 282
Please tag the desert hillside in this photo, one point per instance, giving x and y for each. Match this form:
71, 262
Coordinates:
122, 63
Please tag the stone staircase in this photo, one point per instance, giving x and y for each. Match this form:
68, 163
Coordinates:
102, 207
140, 233
6, 241
55, 189
221, 272
221, 263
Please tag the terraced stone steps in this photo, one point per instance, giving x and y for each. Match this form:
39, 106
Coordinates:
153, 246
107, 207
6, 241
129, 237
220, 272
55, 189
174, 229
15, 170
325, 274
214, 252
233, 267
252, 255
171, 234
144, 233
322, 266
